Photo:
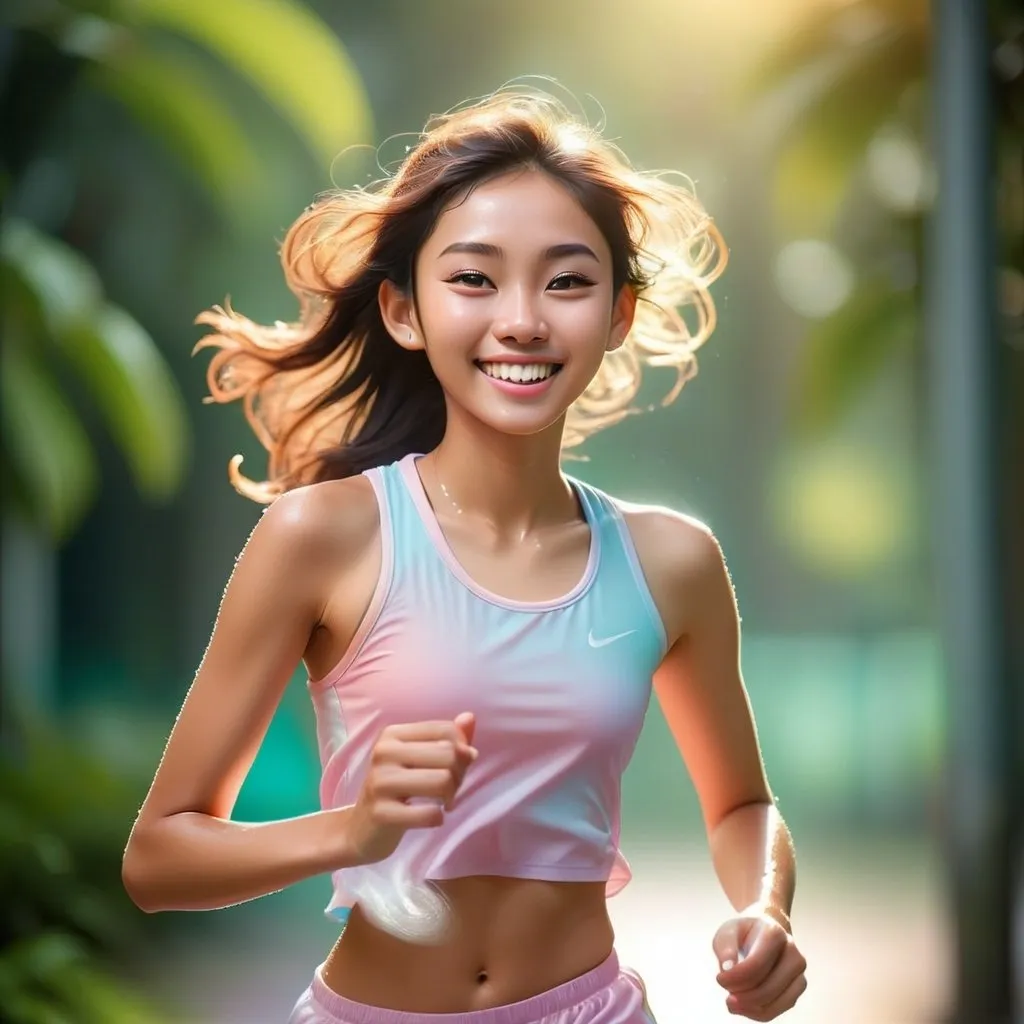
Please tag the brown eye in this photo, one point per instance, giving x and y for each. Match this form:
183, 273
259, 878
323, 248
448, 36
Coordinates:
564, 282
470, 278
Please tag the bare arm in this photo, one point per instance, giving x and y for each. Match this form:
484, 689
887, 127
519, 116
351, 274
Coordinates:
700, 688
184, 852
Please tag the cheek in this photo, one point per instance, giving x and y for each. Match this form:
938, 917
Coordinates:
451, 320
583, 326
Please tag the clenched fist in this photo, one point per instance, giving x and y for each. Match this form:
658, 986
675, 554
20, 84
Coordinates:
768, 976
415, 771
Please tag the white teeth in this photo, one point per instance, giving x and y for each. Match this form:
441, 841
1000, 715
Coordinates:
519, 372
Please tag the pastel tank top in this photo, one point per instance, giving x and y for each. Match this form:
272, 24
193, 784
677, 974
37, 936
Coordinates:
559, 689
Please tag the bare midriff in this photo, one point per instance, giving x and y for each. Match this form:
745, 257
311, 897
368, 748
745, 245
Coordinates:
511, 939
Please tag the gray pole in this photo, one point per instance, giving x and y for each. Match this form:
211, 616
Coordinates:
962, 354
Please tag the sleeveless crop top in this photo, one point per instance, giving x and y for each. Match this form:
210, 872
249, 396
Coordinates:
559, 688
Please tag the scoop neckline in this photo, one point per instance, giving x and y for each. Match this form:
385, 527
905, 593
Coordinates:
414, 484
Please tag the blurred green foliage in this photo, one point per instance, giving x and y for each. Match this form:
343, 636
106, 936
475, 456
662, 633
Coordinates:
849, 93
73, 361
54, 312
62, 815
54, 306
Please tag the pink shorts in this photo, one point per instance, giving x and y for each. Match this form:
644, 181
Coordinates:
609, 994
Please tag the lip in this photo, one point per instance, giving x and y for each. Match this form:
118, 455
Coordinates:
519, 359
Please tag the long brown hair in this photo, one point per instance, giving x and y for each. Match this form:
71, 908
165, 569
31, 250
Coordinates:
332, 394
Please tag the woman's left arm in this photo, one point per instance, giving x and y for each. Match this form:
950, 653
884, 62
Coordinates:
700, 687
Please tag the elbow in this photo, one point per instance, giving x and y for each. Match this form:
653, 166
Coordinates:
137, 875
754, 806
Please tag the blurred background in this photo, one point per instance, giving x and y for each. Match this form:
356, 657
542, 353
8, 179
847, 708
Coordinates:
855, 437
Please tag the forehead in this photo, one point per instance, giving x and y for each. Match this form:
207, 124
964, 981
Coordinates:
523, 209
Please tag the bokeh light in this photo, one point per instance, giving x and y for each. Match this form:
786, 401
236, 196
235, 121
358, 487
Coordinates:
813, 277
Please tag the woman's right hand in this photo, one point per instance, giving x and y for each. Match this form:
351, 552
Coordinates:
423, 762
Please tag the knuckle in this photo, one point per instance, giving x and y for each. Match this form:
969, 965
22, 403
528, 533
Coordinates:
429, 815
380, 780
380, 813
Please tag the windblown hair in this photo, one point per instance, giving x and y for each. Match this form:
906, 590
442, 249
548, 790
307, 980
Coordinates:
333, 394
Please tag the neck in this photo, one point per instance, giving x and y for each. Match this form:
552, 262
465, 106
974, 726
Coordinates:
513, 484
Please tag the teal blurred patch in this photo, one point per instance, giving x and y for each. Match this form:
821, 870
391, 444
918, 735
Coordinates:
852, 729
285, 777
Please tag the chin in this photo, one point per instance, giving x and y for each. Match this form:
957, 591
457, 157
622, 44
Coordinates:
521, 426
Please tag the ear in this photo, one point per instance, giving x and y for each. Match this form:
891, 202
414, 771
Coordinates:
399, 316
622, 317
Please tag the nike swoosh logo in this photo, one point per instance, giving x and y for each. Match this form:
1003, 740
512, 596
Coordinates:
605, 641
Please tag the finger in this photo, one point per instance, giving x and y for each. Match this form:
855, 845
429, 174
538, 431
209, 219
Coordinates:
726, 944
763, 952
785, 1001
788, 998
424, 754
407, 783
445, 735
402, 815
394, 758
466, 724
414, 731
772, 988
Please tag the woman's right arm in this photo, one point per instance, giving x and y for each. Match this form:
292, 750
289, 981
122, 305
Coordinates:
184, 852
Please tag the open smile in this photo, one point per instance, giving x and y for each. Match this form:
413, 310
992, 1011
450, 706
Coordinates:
520, 380
519, 374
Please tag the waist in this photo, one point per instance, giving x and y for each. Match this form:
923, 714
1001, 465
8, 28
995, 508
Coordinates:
512, 939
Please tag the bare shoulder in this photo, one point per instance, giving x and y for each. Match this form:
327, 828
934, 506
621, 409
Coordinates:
316, 529
681, 543
681, 559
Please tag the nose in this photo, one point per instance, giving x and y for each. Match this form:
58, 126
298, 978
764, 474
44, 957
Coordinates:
519, 319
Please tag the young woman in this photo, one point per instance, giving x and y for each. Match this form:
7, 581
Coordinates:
480, 630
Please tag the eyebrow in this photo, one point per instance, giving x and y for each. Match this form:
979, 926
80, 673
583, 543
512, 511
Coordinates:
553, 252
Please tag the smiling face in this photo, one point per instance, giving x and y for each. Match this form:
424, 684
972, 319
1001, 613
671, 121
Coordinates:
515, 303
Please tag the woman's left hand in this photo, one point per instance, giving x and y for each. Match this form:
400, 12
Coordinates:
761, 967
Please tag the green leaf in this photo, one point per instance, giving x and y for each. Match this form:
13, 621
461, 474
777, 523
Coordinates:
847, 350
176, 100
136, 394
286, 51
48, 449
62, 282
119, 362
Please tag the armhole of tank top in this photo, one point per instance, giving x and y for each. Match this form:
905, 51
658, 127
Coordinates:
380, 591
644, 590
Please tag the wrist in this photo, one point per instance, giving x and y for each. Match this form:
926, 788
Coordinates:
776, 913
336, 849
